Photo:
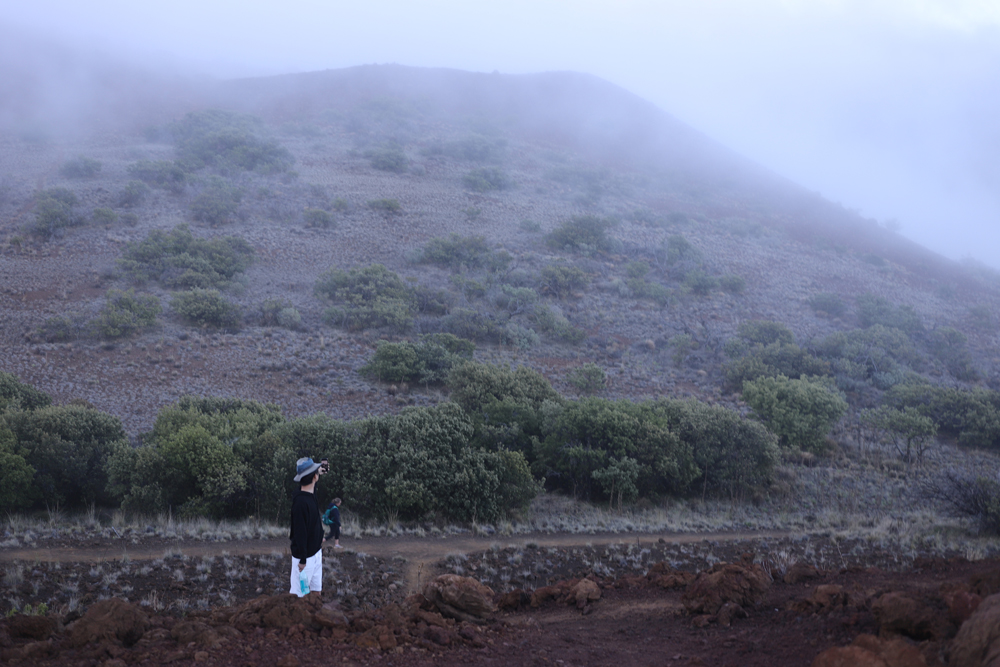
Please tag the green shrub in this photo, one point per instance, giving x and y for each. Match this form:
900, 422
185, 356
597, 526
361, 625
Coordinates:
81, 167
473, 325
125, 313
206, 308
59, 329
369, 297
179, 260
207, 457
586, 234
800, 412
216, 204
826, 302
679, 249
679, 447
16, 475
68, 446
732, 283
700, 282
479, 387
54, 211
516, 299
519, 337
874, 310
389, 158
15, 394
103, 216
280, 313
455, 251
588, 379
162, 174
530, 226
385, 205
556, 325
771, 361
878, 356
972, 416
133, 194
486, 180
909, 432
317, 217
981, 318
950, 346
428, 361
419, 462
560, 280
765, 332
228, 142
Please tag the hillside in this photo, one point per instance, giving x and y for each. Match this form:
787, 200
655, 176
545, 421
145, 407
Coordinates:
560, 145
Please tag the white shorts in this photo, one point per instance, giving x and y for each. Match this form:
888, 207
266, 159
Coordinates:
312, 573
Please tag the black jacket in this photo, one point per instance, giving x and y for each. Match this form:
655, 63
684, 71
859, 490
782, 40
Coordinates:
307, 528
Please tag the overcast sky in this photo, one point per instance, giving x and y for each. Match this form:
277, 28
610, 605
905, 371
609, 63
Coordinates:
891, 107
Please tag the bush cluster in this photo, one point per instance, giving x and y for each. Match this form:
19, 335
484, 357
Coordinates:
800, 411
81, 167
163, 174
217, 204
487, 179
228, 142
455, 251
385, 205
177, 259
473, 148
54, 211
878, 356
280, 313
767, 349
65, 448
133, 194
126, 313
587, 234
389, 158
206, 308
369, 297
428, 361
561, 280
970, 415
874, 310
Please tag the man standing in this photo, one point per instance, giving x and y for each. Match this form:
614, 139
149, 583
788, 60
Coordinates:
307, 531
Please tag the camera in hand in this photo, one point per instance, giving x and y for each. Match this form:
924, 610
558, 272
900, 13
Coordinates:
324, 466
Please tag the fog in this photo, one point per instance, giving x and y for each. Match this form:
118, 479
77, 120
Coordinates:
890, 107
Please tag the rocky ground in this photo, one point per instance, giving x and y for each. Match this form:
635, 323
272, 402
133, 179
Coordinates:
936, 612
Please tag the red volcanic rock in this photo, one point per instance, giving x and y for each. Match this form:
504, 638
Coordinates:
743, 584
462, 598
109, 620
977, 643
31, 627
901, 614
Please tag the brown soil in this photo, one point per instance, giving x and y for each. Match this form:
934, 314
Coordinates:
633, 623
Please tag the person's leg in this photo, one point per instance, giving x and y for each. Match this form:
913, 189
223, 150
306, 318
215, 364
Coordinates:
335, 530
296, 588
314, 566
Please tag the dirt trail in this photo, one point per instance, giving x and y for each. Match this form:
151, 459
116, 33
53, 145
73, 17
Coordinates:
421, 554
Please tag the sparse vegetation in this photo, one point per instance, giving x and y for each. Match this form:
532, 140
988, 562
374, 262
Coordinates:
385, 205
81, 167
318, 218
828, 303
487, 179
162, 174
133, 194
389, 158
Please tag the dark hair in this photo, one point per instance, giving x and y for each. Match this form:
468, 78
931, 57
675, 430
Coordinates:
308, 479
